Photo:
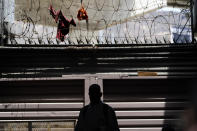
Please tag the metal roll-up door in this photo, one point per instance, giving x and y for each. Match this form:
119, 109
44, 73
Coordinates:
46, 99
146, 104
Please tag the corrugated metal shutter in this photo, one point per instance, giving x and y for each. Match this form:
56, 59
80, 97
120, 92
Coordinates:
166, 60
56, 99
141, 104
145, 104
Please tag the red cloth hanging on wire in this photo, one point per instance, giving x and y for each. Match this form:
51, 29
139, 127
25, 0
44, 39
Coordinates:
63, 23
82, 14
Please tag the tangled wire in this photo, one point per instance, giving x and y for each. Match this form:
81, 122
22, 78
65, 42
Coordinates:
109, 22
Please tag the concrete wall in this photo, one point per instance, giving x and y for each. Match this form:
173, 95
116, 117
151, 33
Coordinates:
9, 10
106, 22
100, 13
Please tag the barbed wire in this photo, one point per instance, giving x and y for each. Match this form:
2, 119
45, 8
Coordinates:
110, 22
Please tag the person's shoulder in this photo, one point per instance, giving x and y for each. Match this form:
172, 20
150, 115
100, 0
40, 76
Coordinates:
84, 108
109, 108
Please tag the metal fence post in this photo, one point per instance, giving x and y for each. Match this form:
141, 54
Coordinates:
29, 126
1, 21
192, 18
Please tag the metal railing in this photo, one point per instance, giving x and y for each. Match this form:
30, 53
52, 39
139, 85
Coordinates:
39, 125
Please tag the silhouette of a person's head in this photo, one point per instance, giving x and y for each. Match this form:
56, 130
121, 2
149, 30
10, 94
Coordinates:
95, 94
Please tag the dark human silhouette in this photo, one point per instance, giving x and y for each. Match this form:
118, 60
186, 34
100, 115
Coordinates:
168, 127
97, 116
